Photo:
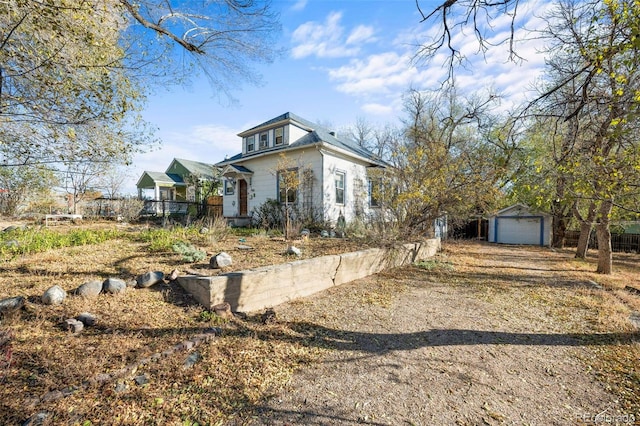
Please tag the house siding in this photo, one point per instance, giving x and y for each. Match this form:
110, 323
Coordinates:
263, 183
354, 194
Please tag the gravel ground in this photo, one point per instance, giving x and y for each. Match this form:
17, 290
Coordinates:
466, 348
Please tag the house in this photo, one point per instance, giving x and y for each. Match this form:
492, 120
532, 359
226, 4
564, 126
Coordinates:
331, 172
183, 181
518, 224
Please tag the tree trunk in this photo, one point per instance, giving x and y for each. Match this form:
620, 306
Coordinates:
559, 231
585, 230
605, 259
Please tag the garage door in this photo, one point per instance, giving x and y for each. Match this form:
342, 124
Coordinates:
518, 230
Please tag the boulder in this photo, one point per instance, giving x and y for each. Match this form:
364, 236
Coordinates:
90, 289
73, 325
293, 250
113, 285
173, 275
10, 305
269, 316
222, 310
54, 295
221, 260
149, 279
87, 319
324, 233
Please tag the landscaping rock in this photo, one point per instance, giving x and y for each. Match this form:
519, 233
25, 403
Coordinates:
191, 360
149, 279
244, 247
113, 286
141, 380
269, 316
10, 305
324, 233
36, 420
90, 289
13, 228
293, 250
222, 310
204, 230
173, 275
221, 260
54, 295
87, 319
73, 325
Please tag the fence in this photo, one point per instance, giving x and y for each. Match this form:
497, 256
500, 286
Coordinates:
213, 208
627, 243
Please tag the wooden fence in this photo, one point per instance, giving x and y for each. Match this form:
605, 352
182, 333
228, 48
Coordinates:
627, 243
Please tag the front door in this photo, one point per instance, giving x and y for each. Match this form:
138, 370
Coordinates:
243, 197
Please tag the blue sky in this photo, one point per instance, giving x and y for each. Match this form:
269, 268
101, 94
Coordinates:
342, 60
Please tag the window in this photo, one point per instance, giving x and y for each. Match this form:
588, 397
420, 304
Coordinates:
374, 192
229, 187
279, 136
251, 143
340, 178
288, 183
264, 140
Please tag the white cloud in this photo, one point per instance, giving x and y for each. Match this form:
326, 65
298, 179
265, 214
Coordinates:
299, 5
362, 33
378, 109
326, 39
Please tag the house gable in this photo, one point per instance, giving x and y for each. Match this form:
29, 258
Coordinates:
151, 179
338, 179
185, 168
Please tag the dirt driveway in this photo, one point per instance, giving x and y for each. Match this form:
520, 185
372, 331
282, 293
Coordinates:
475, 337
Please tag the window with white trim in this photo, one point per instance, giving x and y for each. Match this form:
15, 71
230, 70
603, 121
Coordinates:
264, 140
340, 186
278, 136
288, 186
229, 187
251, 143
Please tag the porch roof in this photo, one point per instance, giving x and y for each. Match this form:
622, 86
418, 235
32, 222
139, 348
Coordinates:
153, 179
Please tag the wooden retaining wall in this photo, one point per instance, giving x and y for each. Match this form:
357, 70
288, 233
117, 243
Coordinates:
258, 288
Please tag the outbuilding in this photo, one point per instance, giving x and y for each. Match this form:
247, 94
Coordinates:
519, 224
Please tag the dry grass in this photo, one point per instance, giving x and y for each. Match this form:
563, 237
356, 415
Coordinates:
240, 368
248, 361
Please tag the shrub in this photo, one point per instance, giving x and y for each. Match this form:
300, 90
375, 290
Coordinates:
268, 215
189, 252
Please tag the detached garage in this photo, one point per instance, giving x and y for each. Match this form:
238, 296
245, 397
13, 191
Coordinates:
518, 224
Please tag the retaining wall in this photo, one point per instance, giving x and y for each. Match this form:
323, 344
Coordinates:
259, 288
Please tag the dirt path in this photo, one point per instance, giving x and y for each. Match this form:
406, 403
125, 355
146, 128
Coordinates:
469, 347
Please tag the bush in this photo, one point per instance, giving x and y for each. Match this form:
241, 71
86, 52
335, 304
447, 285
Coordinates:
268, 215
189, 252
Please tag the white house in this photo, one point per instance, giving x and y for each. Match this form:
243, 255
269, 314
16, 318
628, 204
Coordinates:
332, 171
518, 224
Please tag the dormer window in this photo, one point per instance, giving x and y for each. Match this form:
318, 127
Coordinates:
279, 136
264, 140
251, 143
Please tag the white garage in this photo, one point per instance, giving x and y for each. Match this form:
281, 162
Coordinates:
518, 224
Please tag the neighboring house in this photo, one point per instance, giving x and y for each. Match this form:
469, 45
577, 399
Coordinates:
183, 180
518, 224
332, 172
